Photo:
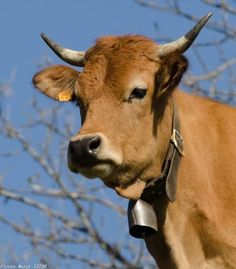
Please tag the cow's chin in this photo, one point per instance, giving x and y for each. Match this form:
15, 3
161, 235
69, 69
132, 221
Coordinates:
129, 189
133, 191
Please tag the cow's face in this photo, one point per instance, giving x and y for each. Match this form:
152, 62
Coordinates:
123, 95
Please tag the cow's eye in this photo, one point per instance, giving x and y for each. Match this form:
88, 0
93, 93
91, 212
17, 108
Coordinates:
137, 93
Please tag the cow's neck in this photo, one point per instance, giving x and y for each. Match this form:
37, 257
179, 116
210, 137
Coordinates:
166, 181
160, 245
179, 241
193, 233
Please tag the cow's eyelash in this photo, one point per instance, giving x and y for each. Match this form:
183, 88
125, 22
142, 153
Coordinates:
137, 93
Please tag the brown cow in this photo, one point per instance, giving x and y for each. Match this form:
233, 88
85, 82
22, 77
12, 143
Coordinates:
126, 94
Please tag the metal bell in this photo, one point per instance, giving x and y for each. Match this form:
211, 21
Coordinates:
142, 219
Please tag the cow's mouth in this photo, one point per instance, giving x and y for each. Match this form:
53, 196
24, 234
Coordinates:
88, 164
93, 169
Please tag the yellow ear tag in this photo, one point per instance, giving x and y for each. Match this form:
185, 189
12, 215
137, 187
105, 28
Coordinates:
65, 96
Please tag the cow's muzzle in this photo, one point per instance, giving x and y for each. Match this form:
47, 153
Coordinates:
83, 152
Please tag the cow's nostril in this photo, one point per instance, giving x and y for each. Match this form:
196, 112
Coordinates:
84, 152
94, 143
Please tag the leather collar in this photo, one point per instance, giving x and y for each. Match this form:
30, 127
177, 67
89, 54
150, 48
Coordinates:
166, 182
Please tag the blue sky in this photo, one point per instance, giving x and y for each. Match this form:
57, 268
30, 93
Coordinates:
75, 24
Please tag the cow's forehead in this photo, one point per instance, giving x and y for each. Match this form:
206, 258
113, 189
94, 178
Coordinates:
113, 63
126, 45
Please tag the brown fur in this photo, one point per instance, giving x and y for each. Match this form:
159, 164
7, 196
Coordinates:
199, 228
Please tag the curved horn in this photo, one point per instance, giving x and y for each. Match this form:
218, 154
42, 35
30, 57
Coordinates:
183, 43
72, 57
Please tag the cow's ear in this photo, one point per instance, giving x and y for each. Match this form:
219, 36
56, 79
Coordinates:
57, 82
172, 70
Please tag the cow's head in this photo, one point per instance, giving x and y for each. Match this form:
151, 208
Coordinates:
123, 95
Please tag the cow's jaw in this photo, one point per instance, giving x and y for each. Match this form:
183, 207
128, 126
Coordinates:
106, 170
